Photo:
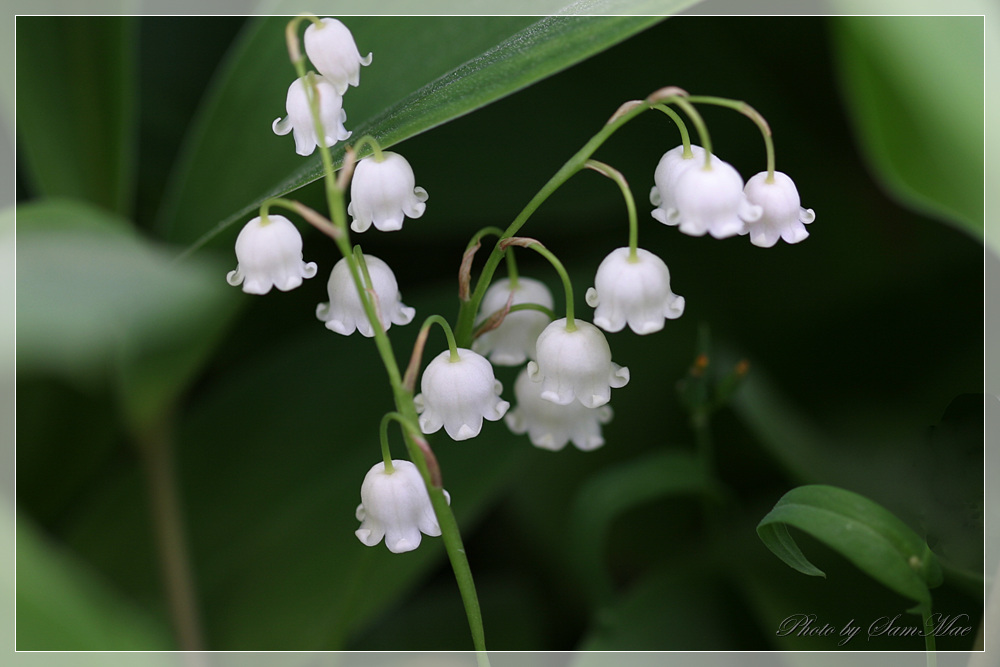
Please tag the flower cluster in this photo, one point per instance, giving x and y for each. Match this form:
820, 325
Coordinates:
363, 294
331, 48
563, 389
383, 191
707, 196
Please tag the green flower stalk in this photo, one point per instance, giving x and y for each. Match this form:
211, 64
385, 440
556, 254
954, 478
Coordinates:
403, 397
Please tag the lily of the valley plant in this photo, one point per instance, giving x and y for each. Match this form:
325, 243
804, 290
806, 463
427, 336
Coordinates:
564, 390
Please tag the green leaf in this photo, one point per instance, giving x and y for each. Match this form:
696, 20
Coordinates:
862, 531
8, 273
92, 296
607, 496
702, 618
780, 541
913, 86
76, 106
271, 458
464, 63
57, 458
63, 606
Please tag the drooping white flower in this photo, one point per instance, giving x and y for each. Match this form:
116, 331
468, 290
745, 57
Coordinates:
269, 254
711, 200
334, 54
635, 291
459, 395
344, 313
576, 365
513, 342
783, 216
395, 505
550, 425
383, 192
300, 121
668, 170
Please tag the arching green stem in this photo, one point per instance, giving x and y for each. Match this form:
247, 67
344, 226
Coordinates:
465, 270
292, 36
561, 270
752, 114
437, 319
496, 318
308, 214
477, 239
371, 142
699, 124
383, 435
533, 306
633, 221
468, 308
681, 127
473, 246
265, 208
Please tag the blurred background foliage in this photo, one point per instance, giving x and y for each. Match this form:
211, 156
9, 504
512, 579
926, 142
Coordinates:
864, 342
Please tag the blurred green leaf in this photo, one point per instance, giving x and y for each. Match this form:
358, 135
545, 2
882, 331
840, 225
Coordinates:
611, 493
675, 608
58, 458
862, 531
513, 610
914, 89
63, 606
91, 294
464, 63
153, 371
76, 106
272, 456
8, 273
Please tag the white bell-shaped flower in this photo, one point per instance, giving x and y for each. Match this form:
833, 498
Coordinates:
668, 170
334, 54
576, 365
344, 312
383, 192
269, 254
633, 291
513, 342
783, 216
459, 395
300, 121
395, 505
711, 200
550, 425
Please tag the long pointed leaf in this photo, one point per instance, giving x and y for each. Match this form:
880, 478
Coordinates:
432, 70
624, 487
76, 107
924, 142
